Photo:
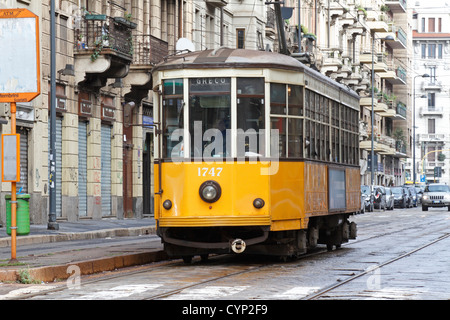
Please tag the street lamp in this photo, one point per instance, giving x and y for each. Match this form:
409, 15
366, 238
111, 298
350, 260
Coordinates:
425, 75
372, 155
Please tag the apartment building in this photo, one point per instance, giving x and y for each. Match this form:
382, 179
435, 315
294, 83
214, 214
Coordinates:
105, 51
431, 24
349, 37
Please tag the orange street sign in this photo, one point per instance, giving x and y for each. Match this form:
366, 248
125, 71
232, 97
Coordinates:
19, 58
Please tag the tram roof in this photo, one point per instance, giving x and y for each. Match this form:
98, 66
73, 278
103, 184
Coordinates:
243, 58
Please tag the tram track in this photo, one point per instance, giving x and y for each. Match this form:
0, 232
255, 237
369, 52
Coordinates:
371, 269
245, 269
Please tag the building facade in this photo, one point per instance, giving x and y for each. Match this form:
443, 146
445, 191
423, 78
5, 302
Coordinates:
431, 22
348, 38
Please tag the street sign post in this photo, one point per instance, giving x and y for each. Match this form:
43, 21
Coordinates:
19, 82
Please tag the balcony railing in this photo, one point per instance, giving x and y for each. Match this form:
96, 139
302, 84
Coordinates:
401, 109
148, 50
401, 36
98, 32
401, 73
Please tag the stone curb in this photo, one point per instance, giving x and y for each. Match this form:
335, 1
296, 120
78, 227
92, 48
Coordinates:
61, 272
68, 236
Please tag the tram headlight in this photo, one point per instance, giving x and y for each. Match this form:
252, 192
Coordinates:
210, 191
167, 204
258, 203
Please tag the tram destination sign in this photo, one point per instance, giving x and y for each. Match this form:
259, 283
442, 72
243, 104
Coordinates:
210, 84
19, 58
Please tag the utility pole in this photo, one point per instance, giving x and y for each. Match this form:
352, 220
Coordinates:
52, 224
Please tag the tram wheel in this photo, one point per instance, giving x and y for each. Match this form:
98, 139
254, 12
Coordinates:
187, 259
204, 257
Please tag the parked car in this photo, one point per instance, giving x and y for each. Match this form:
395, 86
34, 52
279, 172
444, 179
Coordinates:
389, 199
419, 191
409, 202
413, 194
436, 195
368, 198
379, 197
400, 197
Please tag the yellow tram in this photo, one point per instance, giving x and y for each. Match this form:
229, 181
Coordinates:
255, 153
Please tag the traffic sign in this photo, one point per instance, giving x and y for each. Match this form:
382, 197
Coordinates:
423, 178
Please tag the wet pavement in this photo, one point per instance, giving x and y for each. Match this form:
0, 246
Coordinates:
92, 245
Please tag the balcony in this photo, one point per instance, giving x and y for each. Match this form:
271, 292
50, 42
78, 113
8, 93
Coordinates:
386, 144
217, 3
433, 137
377, 22
332, 60
432, 86
363, 129
400, 111
400, 149
399, 38
147, 52
394, 75
382, 144
381, 65
103, 49
336, 9
397, 6
432, 111
271, 30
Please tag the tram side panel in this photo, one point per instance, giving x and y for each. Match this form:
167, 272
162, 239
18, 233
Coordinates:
287, 205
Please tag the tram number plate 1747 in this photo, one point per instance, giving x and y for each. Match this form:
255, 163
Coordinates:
213, 172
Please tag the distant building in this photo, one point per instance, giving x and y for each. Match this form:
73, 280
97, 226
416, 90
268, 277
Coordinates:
431, 31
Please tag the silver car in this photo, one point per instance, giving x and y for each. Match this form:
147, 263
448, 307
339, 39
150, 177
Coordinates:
389, 199
436, 195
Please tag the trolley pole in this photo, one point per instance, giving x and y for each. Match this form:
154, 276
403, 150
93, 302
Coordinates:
13, 195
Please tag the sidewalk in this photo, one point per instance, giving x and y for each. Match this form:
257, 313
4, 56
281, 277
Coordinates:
117, 247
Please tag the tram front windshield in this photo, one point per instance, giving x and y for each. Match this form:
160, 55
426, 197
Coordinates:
209, 114
210, 117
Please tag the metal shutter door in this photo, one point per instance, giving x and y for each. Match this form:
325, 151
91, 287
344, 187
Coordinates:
58, 146
106, 170
58, 167
82, 169
22, 186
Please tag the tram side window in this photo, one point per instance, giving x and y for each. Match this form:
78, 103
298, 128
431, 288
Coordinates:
287, 117
295, 100
172, 117
250, 116
210, 117
278, 107
335, 133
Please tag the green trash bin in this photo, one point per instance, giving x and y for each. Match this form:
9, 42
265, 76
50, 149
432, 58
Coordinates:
22, 214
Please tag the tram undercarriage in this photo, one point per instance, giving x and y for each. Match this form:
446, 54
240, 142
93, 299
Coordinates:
187, 242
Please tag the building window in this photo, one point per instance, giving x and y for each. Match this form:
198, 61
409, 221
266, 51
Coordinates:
440, 50
424, 51
423, 25
240, 38
431, 100
439, 24
431, 126
431, 25
432, 73
432, 51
